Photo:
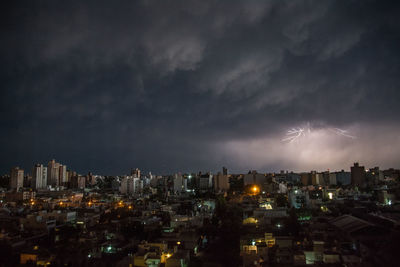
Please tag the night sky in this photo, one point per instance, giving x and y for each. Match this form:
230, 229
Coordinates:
168, 86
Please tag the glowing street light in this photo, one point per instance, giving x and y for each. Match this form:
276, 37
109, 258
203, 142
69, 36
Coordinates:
255, 189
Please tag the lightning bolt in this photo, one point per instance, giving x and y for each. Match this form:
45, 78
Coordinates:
342, 133
300, 132
294, 134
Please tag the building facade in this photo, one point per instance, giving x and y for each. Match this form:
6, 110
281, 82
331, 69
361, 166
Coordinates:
357, 175
39, 176
16, 178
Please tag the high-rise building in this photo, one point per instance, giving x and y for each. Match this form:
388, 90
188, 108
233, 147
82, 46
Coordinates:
81, 182
39, 176
16, 178
332, 178
130, 185
27, 180
357, 175
254, 178
178, 183
62, 175
343, 178
137, 185
224, 171
126, 185
70, 174
135, 173
53, 173
373, 176
293, 177
306, 178
325, 177
221, 181
91, 179
317, 178
205, 181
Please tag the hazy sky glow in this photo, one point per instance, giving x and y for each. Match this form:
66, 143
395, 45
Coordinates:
172, 86
320, 150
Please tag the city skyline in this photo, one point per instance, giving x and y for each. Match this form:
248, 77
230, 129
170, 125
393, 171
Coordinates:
32, 171
188, 85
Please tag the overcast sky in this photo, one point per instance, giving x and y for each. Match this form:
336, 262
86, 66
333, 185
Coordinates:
168, 86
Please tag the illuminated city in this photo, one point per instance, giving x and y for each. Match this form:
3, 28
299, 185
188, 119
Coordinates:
55, 216
200, 133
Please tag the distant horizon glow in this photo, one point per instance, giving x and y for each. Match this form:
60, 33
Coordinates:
320, 150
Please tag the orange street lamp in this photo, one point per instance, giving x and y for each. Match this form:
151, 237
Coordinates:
255, 189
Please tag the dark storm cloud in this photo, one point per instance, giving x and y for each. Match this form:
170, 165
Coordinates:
191, 85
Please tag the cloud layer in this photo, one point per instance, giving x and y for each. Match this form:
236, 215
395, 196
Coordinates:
187, 85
